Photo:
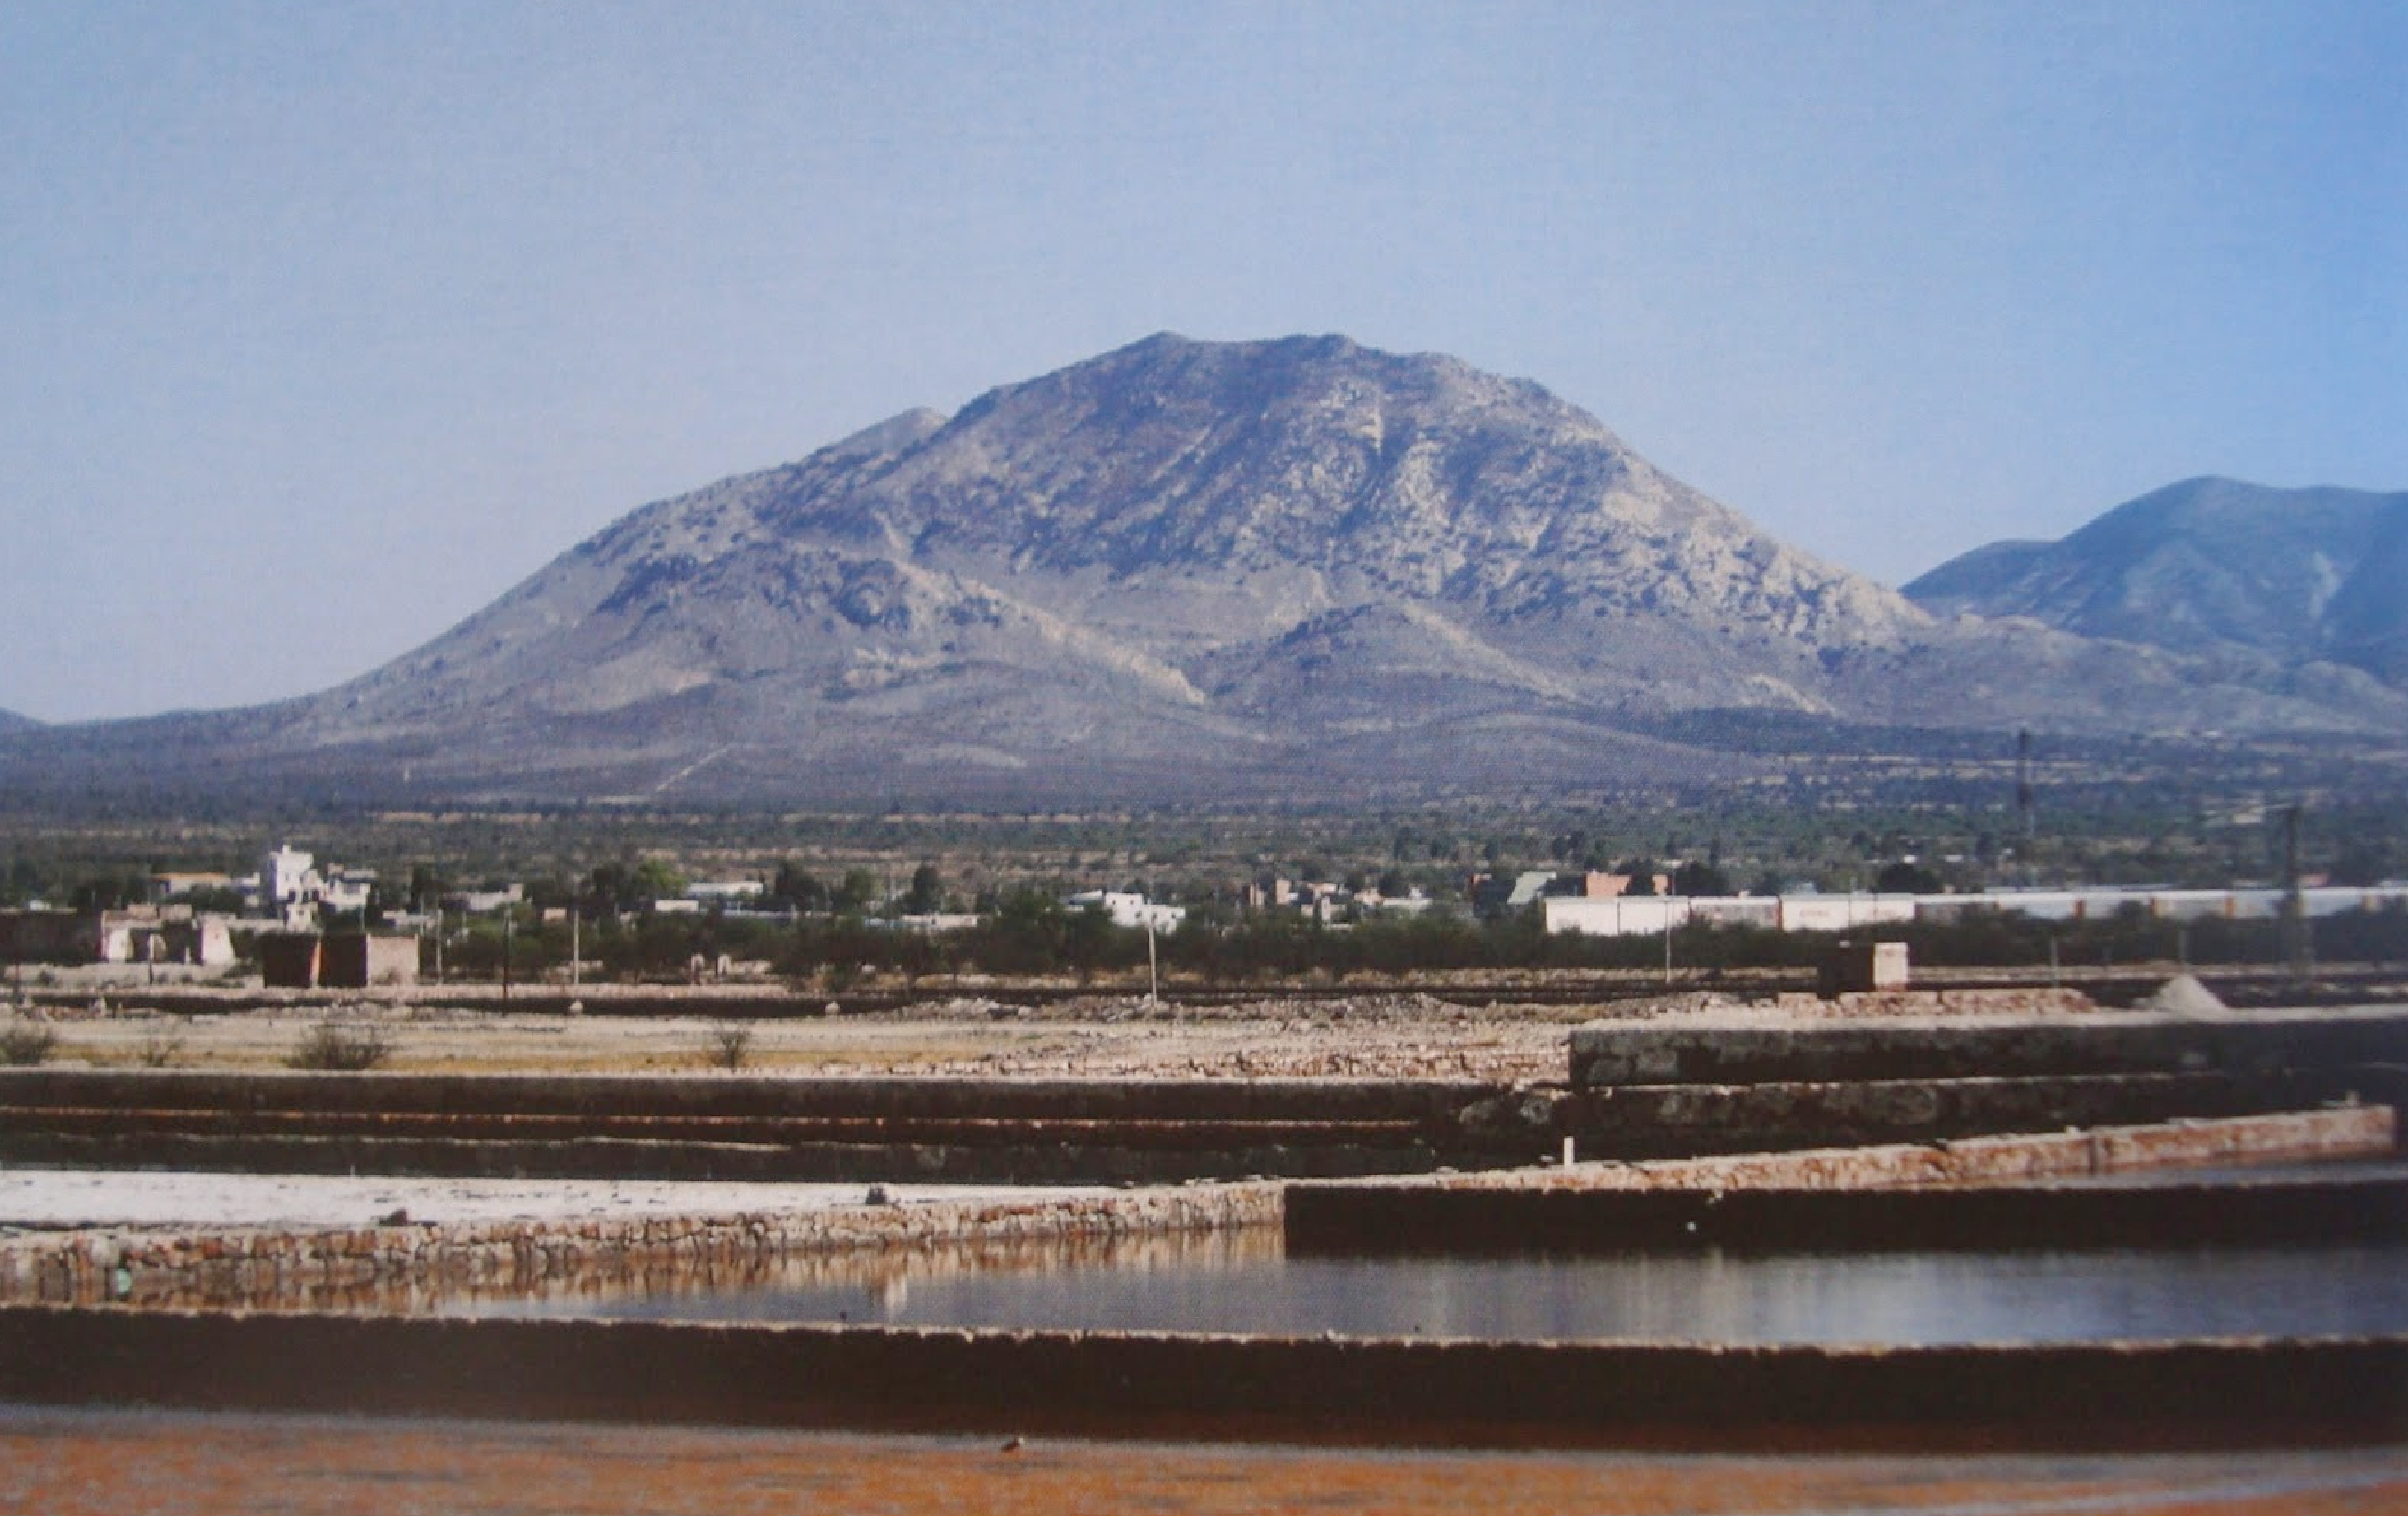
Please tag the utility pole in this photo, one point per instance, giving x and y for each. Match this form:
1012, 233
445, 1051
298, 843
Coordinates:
576, 919
1153, 980
510, 926
2024, 800
2299, 951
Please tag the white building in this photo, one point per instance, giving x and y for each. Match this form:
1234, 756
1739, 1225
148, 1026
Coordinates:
726, 892
1128, 909
485, 902
347, 889
1621, 915
1626, 915
290, 888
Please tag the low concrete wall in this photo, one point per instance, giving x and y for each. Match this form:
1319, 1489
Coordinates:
1669, 1120
992, 1130
1050, 1162
861, 1097
2341, 1133
1378, 1219
1756, 1050
1041, 1131
2215, 1394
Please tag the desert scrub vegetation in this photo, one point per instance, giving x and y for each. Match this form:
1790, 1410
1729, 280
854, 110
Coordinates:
26, 1043
336, 1047
731, 1046
161, 1049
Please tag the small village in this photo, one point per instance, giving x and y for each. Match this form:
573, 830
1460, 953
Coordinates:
297, 926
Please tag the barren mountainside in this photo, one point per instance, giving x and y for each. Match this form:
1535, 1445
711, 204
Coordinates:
1297, 567
2298, 576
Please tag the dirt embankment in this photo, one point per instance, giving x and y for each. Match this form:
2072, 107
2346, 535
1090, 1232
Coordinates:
1369, 1036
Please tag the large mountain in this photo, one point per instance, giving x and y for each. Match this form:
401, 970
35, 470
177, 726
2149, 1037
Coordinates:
12, 722
1299, 567
2298, 577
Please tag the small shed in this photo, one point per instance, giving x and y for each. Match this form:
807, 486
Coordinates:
1863, 967
358, 959
289, 960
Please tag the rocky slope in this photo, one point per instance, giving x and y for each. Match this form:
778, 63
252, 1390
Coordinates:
1297, 569
2298, 576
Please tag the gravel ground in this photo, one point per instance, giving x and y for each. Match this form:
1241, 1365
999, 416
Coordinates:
1381, 1036
1375, 1034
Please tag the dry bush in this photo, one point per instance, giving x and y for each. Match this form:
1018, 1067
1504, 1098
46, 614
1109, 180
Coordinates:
23, 1044
731, 1045
334, 1047
161, 1049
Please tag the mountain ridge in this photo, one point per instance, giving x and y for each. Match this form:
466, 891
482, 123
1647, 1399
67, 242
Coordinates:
2297, 575
1249, 568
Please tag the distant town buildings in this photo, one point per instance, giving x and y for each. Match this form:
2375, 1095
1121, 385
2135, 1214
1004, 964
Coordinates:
1126, 910
1639, 915
1496, 893
708, 893
137, 935
485, 902
1325, 901
289, 888
177, 886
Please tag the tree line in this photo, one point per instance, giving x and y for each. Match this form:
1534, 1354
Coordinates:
1031, 933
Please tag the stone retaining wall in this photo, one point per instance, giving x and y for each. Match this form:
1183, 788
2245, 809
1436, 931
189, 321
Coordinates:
1741, 1049
89, 1266
2342, 1132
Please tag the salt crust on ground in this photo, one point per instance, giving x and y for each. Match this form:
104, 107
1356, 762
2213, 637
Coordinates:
58, 1197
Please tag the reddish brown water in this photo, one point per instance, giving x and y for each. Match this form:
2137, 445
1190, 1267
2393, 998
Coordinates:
119, 1463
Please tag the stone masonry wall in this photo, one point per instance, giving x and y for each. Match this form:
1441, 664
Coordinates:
2349, 1131
86, 1267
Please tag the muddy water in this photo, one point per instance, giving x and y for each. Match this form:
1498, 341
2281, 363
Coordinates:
1242, 1283
69, 1463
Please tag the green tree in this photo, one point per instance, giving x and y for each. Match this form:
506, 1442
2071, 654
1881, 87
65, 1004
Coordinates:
798, 890
857, 893
1903, 878
426, 887
2361, 863
1696, 878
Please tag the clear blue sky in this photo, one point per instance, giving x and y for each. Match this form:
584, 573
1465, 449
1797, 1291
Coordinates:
325, 323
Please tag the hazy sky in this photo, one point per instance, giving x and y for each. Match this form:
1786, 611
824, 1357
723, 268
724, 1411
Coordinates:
324, 324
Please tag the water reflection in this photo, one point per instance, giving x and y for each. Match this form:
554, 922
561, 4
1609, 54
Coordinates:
1242, 1283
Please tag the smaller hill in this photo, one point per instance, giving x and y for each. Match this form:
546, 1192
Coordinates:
2211, 566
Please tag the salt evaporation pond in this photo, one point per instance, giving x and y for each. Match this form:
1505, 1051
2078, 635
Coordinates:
1244, 1283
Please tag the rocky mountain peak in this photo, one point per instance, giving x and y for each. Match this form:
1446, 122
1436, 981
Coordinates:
1413, 475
